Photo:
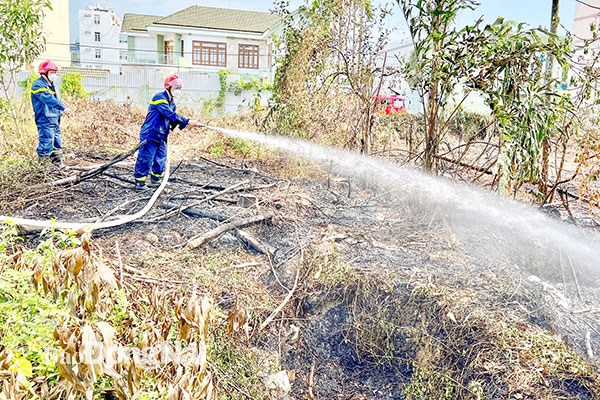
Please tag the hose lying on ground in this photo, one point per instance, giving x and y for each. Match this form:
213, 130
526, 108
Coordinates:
32, 225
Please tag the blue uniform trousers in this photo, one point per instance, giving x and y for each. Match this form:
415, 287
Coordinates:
152, 155
50, 139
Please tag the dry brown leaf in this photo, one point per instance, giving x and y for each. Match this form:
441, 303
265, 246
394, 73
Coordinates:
90, 353
80, 257
65, 369
207, 305
71, 344
173, 394
108, 334
37, 277
106, 274
5, 359
236, 319
291, 375
185, 331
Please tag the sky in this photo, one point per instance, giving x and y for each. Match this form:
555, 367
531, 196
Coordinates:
533, 12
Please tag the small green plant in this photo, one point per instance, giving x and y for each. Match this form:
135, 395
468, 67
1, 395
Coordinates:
208, 108
71, 86
476, 388
237, 87
27, 321
18, 170
27, 318
218, 149
220, 101
8, 238
241, 365
425, 385
329, 268
242, 146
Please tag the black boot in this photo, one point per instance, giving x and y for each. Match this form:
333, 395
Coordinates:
154, 183
140, 186
57, 159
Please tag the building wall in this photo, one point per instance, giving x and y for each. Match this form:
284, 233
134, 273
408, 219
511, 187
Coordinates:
142, 49
110, 49
232, 63
56, 33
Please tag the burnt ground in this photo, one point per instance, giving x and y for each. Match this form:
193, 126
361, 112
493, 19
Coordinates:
373, 231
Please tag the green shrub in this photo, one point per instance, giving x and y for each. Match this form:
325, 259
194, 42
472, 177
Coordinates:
72, 87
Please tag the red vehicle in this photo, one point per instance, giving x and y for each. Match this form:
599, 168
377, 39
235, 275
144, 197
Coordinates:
388, 104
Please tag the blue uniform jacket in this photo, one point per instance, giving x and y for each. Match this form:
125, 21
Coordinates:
161, 118
45, 103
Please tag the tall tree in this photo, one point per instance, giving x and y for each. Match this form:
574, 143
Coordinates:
22, 41
327, 73
434, 69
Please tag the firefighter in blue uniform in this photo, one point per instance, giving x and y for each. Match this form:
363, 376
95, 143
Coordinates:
48, 110
160, 120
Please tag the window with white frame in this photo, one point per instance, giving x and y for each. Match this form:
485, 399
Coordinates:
96, 19
98, 53
122, 38
123, 55
96, 36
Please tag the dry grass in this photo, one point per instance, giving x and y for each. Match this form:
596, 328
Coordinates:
449, 348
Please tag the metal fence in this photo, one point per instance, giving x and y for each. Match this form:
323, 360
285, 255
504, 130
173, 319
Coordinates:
139, 87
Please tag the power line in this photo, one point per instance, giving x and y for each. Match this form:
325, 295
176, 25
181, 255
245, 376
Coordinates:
192, 67
142, 50
587, 4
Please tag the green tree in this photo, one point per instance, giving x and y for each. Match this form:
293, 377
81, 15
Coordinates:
22, 41
435, 69
326, 75
506, 63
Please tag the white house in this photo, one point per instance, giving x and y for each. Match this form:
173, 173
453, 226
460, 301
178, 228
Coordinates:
101, 44
200, 38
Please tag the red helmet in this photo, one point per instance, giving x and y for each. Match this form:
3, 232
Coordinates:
47, 66
173, 81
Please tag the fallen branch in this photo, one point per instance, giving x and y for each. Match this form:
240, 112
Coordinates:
588, 344
120, 178
283, 303
587, 311
137, 274
575, 277
200, 185
194, 212
253, 243
197, 203
117, 208
236, 223
465, 165
74, 179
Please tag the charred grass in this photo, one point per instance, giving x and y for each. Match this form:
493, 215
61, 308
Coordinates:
416, 340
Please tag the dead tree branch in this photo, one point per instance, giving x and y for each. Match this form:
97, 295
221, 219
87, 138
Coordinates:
236, 223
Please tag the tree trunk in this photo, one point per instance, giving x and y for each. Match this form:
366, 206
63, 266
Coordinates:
431, 134
544, 179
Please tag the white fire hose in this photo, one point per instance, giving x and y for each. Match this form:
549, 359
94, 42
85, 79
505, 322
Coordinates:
32, 225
